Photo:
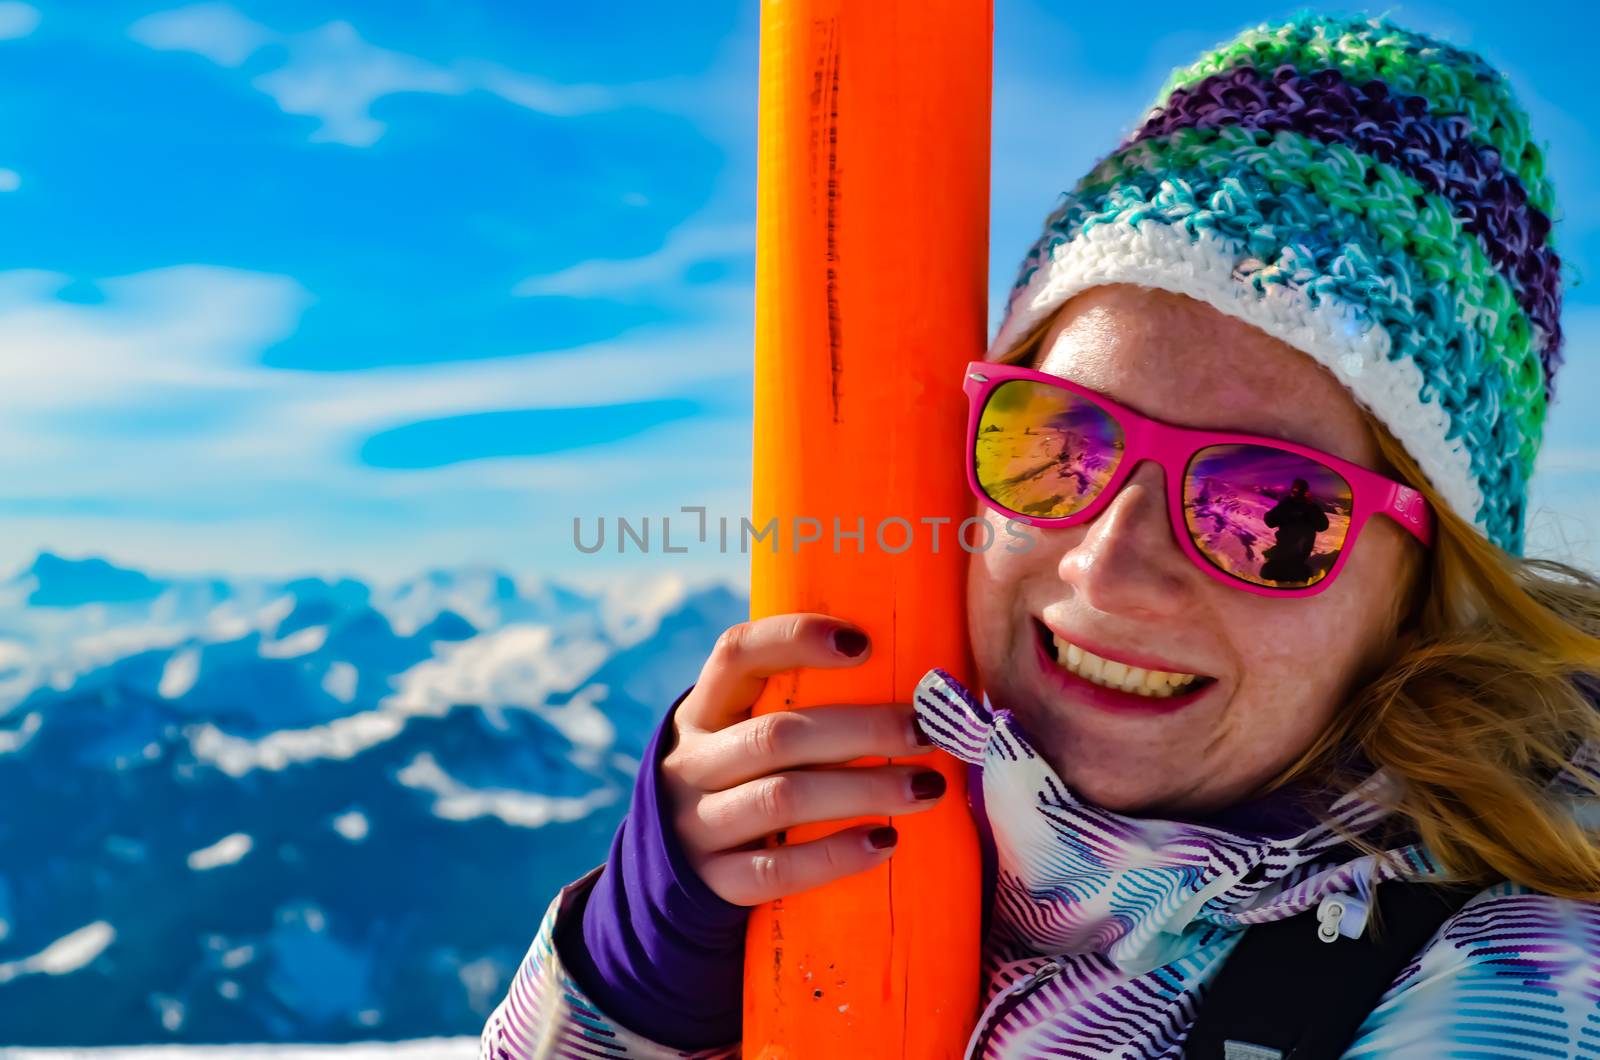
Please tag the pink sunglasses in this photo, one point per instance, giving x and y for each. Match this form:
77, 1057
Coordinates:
1267, 516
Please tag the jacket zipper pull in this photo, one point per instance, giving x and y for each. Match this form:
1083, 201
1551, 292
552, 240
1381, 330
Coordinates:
1341, 914
1043, 974
1329, 913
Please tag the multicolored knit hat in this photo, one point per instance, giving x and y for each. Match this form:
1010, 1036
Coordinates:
1366, 194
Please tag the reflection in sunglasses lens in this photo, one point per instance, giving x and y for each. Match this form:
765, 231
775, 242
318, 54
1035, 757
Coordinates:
1044, 451
1268, 516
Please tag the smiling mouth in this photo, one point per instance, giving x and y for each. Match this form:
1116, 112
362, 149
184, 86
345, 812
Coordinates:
1119, 677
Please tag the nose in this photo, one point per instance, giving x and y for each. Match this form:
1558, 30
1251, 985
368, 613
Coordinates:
1128, 562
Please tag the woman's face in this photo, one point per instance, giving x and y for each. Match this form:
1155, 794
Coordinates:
1121, 583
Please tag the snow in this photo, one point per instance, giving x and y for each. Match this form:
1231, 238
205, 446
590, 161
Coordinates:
580, 720
238, 957
455, 801
341, 738
341, 681
300, 642
352, 825
14, 740
198, 686
517, 665
225, 851
102, 647
172, 1012
633, 609
63, 956
12, 655
472, 593
178, 676
426, 1049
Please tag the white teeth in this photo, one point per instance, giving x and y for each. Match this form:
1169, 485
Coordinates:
1155, 683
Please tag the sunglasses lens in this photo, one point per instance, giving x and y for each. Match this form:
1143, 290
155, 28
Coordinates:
1043, 451
1266, 516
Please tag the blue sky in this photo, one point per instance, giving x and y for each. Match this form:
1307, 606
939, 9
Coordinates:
367, 288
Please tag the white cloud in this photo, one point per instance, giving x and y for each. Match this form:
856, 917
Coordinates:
17, 19
216, 31
224, 465
161, 344
333, 74
187, 326
534, 93
686, 246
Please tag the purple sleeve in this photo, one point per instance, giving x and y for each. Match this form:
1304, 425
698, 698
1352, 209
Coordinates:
659, 952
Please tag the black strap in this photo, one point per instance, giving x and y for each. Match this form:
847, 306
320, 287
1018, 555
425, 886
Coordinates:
1283, 988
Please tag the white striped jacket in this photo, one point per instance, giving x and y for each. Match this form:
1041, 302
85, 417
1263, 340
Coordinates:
1106, 929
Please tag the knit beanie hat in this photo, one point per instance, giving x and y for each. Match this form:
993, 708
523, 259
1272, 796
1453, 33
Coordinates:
1371, 197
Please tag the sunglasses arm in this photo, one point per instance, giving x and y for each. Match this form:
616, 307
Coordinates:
1410, 509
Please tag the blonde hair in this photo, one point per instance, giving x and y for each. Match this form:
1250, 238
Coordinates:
1475, 706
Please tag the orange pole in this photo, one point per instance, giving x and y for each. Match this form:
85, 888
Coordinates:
872, 252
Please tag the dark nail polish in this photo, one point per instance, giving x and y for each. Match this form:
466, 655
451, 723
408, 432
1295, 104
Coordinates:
850, 642
919, 736
883, 838
929, 785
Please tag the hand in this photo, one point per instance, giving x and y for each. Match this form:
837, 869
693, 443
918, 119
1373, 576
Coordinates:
732, 780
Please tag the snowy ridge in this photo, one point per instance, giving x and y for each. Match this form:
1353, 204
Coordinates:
308, 810
431, 1049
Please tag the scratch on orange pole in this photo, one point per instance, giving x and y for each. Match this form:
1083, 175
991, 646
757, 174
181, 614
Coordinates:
872, 252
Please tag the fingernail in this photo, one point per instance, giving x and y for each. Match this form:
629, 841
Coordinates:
882, 838
919, 738
849, 642
928, 785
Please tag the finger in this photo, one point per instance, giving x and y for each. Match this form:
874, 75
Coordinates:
750, 877
771, 804
787, 739
747, 654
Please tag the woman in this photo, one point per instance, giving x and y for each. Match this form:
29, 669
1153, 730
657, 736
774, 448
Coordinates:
1324, 256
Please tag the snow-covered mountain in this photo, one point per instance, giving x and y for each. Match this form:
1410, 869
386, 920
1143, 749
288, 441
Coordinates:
307, 810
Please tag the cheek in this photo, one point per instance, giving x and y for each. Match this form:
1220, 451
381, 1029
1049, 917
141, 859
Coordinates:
994, 567
992, 579
1300, 658
1002, 580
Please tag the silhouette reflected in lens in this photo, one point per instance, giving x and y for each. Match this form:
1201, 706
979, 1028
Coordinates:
1265, 515
1298, 519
